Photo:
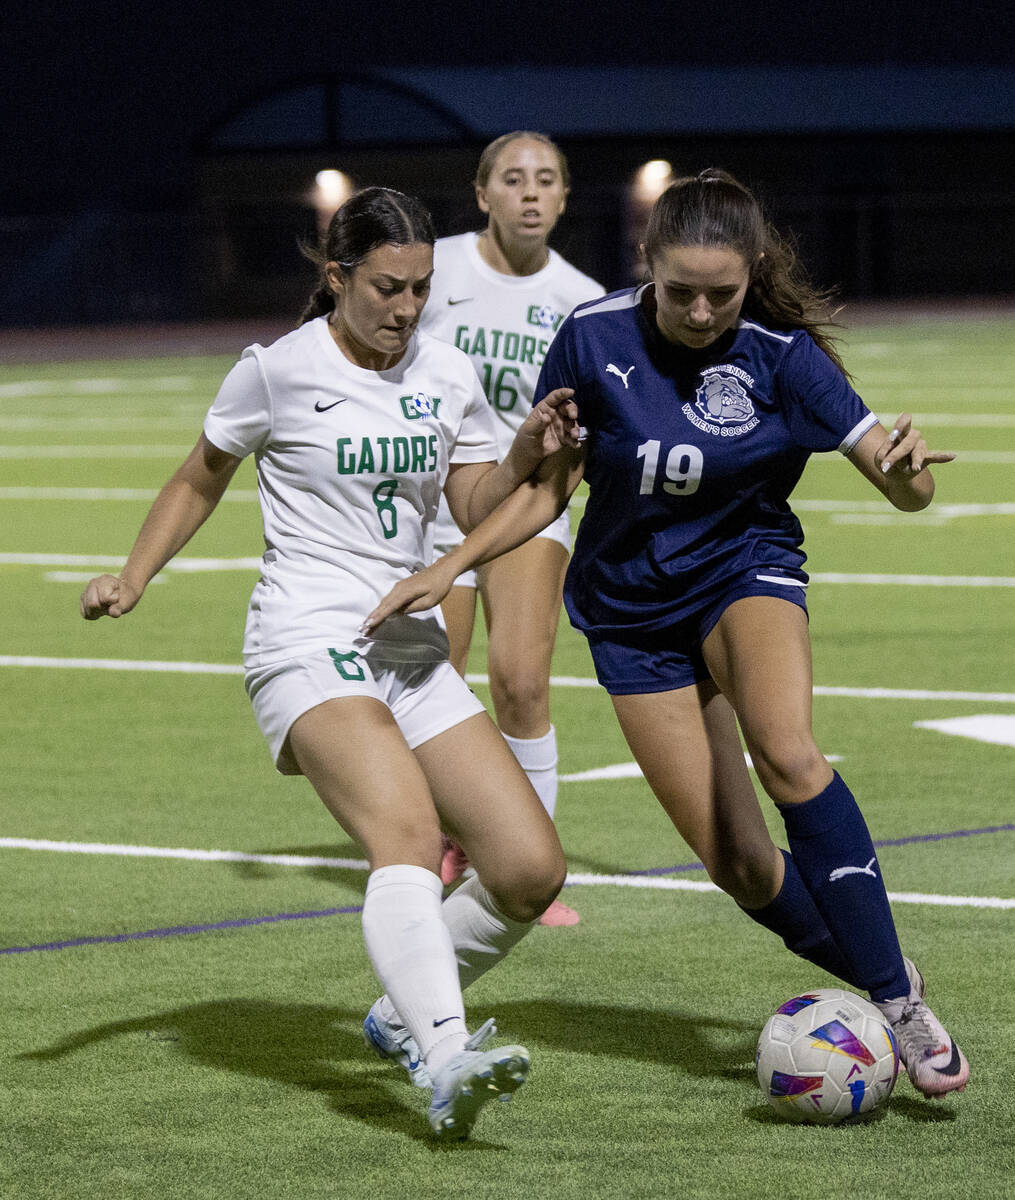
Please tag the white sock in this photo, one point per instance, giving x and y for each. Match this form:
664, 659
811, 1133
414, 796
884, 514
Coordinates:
481, 933
538, 759
413, 956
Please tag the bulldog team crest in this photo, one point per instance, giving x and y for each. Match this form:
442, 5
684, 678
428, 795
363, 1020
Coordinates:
722, 403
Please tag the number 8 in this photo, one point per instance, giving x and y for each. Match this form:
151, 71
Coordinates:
383, 498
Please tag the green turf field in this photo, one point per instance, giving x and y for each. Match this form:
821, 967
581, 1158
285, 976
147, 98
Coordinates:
179, 1026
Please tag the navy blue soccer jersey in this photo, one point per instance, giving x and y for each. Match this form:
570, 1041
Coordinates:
690, 458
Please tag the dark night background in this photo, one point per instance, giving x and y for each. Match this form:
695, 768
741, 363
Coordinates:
110, 110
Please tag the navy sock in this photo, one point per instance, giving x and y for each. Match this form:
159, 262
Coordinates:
832, 848
794, 916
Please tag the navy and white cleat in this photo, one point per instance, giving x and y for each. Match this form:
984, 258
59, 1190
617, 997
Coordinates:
396, 1044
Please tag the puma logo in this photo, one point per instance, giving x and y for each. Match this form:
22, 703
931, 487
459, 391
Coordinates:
842, 872
612, 370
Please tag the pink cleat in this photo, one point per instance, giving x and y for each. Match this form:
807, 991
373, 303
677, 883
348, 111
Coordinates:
454, 861
559, 914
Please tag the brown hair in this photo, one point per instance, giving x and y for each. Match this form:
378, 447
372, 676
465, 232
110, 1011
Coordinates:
489, 155
715, 209
373, 217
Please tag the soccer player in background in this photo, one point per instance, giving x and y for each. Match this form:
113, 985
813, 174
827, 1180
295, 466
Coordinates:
500, 295
357, 421
703, 392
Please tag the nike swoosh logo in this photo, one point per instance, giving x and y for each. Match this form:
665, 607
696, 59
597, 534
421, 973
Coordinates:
461, 301
954, 1066
444, 1021
319, 407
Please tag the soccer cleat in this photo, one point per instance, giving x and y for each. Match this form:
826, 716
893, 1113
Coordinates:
472, 1078
933, 1061
559, 914
916, 980
454, 861
395, 1043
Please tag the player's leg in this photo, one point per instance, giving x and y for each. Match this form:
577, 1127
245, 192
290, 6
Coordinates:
485, 801
521, 603
459, 606
686, 743
759, 653
358, 762
459, 610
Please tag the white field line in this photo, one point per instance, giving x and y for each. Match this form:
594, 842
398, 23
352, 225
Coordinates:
1004, 509
651, 882
180, 563
988, 457
631, 770
973, 581
121, 664
189, 565
112, 450
187, 417
877, 510
108, 451
567, 681
78, 494
108, 386
961, 420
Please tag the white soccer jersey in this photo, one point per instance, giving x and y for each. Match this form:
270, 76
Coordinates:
350, 468
505, 323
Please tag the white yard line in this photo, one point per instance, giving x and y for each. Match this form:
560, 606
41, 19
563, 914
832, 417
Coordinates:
651, 882
55, 451
106, 386
78, 494
566, 681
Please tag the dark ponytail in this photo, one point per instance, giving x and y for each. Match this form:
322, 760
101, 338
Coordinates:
714, 209
374, 217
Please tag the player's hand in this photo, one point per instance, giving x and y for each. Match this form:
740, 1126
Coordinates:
425, 589
108, 596
904, 450
552, 424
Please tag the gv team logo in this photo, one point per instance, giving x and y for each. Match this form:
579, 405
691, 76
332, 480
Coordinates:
544, 316
722, 399
419, 406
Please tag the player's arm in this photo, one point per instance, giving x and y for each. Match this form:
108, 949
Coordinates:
474, 490
530, 508
897, 463
180, 508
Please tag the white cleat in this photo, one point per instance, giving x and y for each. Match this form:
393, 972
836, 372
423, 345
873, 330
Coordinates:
472, 1078
395, 1043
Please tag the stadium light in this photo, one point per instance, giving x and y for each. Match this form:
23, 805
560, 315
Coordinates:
333, 189
651, 179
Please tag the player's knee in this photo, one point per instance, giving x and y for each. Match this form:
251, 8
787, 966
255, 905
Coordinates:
746, 874
518, 684
791, 767
531, 887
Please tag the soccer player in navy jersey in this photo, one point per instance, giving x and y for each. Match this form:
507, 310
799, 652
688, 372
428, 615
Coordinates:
702, 393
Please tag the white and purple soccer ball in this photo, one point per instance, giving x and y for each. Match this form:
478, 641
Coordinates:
827, 1056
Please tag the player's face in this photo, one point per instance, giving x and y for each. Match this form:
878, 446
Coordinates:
699, 291
525, 193
378, 303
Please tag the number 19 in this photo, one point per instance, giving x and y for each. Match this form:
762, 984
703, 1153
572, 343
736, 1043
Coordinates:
682, 471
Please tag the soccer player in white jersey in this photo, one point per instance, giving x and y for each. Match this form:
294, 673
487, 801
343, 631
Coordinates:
500, 295
357, 421
703, 392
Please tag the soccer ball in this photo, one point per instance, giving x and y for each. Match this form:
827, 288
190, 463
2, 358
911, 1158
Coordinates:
827, 1056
